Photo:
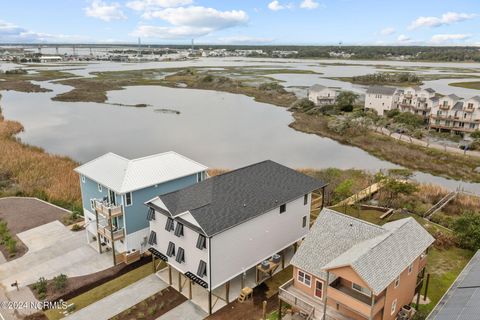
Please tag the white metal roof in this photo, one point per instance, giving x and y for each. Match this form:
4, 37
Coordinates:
123, 175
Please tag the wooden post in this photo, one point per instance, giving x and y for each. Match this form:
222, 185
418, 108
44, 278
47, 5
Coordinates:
418, 298
179, 282
264, 310
325, 297
295, 245
243, 280
153, 263
209, 302
169, 275
371, 309
279, 309
227, 291
426, 287
98, 234
283, 259
323, 198
190, 289
112, 238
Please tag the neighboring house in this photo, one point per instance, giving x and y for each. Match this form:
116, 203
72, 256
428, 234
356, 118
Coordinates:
418, 101
352, 269
462, 300
114, 190
217, 232
382, 99
321, 95
452, 114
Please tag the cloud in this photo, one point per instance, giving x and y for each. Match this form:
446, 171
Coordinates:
145, 5
387, 31
442, 38
188, 22
104, 11
403, 38
276, 6
309, 4
244, 40
10, 33
446, 19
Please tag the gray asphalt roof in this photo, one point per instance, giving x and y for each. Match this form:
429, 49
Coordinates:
429, 90
454, 96
381, 90
476, 98
378, 254
226, 200
458, 106
317, 87
462, 300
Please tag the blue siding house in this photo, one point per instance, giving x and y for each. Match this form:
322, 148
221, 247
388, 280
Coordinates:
114, 190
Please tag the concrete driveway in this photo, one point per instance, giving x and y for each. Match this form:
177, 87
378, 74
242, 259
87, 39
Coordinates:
53, 249
187, 310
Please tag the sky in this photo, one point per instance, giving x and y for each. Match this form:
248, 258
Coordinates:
270, 22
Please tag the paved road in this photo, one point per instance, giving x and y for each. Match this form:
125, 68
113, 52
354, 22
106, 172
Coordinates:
120, 300
53, 249
187, 310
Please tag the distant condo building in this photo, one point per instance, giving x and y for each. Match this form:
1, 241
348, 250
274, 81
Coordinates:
448, 113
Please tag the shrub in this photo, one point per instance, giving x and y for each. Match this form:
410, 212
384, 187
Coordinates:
151, 311
303, 105
444, 241
60, 281
11, 245
467, 229
41, 286
140, 315
3, 228
76, 227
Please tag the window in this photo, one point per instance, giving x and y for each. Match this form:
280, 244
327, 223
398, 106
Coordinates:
397, 281
202, 269
92, 204
304, 278
305, 199
153, 238
169, 225
470, 106
128, 199
361, 289
99, 187
151, 214
179, 229
304, 222
180, 255
83, 178
171, 249
283, 207
201, 242
410, 268
199, 176
318, 288
394, 307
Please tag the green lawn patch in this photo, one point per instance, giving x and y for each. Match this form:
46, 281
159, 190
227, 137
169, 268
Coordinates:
104, 290
468, 85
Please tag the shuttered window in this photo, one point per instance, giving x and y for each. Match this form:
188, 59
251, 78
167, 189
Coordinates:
201, 242
153, 238
169, 225
179, 229
202, 269
151, 214
171, 249
180, 255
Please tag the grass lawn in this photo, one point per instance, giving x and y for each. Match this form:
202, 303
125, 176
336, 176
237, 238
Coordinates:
104, 290
443, 265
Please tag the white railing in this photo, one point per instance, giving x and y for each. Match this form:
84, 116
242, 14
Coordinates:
295, 300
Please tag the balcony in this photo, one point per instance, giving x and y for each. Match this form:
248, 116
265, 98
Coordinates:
107, 210
355, 300
444, 107
311, 307
115, 234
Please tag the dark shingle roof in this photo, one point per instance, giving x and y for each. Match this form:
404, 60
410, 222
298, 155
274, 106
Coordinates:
226, 200
453, 96
462, 300
430, 90
381, 90
458, 106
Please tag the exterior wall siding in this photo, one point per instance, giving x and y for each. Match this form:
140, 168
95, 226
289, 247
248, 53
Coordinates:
242, 247
188, 242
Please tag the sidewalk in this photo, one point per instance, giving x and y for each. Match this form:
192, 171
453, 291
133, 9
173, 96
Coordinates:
120, 300
187, 310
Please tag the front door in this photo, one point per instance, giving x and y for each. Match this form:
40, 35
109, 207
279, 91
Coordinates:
318, 288
113, 197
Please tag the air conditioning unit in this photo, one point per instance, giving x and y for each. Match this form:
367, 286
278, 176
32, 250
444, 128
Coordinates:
265, 264
276, 258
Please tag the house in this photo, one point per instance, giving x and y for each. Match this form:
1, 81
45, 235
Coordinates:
231, 231
321, 95
45, 59
351, 269
452, 114
418, 101
382, 99
114, 190
461, 301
